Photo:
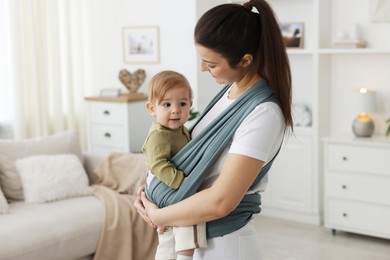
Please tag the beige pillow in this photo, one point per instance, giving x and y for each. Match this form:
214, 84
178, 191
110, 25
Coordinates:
12, 150
4, 208
48, 178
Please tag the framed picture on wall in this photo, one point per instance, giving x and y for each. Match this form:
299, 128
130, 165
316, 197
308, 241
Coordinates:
141, 44
292, 34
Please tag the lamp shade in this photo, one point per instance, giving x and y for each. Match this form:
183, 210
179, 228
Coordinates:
365, 101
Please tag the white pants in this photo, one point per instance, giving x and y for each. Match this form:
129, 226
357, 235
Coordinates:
177, 239
242, 244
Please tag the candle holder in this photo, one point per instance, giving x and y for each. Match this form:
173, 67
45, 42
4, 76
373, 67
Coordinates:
363, 124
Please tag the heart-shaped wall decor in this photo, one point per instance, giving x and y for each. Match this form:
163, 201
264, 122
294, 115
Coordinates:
132, 81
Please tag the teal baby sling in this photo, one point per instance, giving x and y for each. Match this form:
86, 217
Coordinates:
199, 155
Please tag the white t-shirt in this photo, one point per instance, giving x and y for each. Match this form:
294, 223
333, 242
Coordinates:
259, 136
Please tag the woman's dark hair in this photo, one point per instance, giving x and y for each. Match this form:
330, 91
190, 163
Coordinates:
234, 30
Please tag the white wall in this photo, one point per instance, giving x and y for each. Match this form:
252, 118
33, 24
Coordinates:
176, 20
350, 72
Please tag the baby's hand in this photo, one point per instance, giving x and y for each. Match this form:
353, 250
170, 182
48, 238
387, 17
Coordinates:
161, 230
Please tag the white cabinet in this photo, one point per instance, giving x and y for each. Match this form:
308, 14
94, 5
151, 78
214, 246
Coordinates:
357, 181
292, 192
117, 124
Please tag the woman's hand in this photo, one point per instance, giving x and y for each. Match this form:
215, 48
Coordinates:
144, 207
140, 204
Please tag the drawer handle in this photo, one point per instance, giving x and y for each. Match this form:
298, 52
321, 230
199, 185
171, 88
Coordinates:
344, 186
345, 215
106, 112
107, 135
345, 158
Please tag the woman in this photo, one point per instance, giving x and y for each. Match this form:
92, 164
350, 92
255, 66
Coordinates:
244, 49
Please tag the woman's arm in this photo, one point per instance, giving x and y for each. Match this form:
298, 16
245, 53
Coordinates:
237, 175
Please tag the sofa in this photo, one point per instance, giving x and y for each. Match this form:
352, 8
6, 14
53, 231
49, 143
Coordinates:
48, 207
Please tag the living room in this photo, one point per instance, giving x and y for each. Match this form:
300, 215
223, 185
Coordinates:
59, 56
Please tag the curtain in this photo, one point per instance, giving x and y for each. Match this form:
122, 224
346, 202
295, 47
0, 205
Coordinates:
6, 114
51, 57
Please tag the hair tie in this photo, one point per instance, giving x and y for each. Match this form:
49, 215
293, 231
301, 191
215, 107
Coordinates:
248, 5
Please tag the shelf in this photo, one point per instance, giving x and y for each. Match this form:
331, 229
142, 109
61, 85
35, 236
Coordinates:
376, 140
354, 51
299, 51
123, 98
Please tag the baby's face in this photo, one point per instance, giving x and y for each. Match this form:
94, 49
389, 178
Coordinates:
174, 109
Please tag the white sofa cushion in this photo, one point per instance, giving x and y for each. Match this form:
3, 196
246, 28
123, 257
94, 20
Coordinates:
4, 208
64, 229
48, 178
11, 150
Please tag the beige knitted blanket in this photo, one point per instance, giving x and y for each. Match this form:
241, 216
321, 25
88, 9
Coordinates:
125, 235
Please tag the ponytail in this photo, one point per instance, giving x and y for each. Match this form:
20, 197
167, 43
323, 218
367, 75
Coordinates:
272, 57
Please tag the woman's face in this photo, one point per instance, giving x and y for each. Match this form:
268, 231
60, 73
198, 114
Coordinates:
216, 65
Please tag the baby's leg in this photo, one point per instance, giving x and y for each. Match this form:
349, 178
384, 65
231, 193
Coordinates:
166, 245
189, 238
185, 254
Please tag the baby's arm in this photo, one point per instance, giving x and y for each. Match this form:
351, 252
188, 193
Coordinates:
158, 152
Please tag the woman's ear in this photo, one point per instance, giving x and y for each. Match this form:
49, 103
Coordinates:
151, 108
246, 60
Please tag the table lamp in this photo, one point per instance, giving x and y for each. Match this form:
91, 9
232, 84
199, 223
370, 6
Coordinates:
363, 125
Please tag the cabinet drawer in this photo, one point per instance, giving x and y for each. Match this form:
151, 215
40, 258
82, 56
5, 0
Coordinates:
358, 217
368, 188
358, 159
112, 136
108, 113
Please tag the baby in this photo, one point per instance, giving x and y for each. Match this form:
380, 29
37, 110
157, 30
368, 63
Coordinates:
170, 101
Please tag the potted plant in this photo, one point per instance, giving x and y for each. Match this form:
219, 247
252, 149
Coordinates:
193, 115
388, 127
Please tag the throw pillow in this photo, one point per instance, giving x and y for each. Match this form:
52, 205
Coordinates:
48, 178
4, 208
12, 150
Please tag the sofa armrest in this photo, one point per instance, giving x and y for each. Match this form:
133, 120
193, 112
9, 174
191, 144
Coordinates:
91, 161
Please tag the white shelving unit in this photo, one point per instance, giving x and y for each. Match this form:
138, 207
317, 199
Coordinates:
324, 78
293, 189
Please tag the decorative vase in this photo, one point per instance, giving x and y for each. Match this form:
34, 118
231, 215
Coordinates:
363, 126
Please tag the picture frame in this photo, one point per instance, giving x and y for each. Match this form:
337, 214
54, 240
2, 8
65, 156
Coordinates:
292, 34
141, 44
380, 11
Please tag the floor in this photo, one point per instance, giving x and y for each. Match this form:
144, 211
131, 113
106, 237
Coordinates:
289, 240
